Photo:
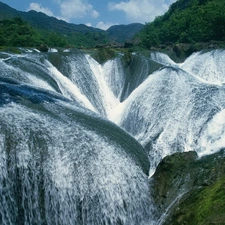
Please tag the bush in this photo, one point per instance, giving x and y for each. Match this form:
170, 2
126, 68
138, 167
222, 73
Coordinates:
104, 54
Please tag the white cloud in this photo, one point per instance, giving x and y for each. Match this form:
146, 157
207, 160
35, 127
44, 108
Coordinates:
88, 24
141, 10
77, 9
37, 7
104, 26
95, 14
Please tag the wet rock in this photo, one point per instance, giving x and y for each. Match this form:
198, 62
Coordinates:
43, 48
190, 190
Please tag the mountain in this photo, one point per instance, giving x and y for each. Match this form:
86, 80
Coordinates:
121, 33
41, 21
187, 21
7, 12
44, 23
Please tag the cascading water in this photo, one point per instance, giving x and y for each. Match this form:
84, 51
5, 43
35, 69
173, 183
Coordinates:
25, 70
172, 108
114, 76
63, 162
208, 66
136, 72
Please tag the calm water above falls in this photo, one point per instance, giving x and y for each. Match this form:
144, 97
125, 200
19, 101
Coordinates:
63, 162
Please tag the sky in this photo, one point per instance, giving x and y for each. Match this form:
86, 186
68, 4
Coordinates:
96, 13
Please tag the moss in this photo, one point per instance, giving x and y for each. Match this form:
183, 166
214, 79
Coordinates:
127, 57
14, 50
205, 206
104, 54
211, 203
197, 185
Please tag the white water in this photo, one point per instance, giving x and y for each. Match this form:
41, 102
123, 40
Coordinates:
170, 109
52, 50
168, 105
68, 88
149, 113
84, 178
163, 59
28, 69
208, 66
213, 138
165, 111
9, 71
114, 76
101, 74
87, 175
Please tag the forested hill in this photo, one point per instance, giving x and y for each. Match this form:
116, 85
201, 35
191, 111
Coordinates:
120, 33
31, 29
187, 21
42, 21
39, 28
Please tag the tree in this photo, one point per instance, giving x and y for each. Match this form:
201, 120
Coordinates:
187, 21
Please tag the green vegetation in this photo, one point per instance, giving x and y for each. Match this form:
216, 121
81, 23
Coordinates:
122, 33
16, 32
127, 57
187, 21
204, 206
202, 183
104, 54
86, 40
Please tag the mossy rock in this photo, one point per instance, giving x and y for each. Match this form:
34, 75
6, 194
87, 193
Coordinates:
14, 50
202, 206
172, 175
127, 57
43, 48
193, 189
104, 54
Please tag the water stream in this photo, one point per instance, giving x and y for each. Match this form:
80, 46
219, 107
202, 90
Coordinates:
78, 140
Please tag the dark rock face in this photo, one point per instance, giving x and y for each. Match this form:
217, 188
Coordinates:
190, 190
171, 178
43, 48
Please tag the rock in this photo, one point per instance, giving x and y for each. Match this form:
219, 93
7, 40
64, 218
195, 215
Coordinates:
189, 189
43, 48
128, 45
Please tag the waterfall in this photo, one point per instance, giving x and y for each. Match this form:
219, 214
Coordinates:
68, 88
213, 138
170, 110
136, 72
114, 76
208, 66
163, 59
78, 140
28, 69
105, 92
62, 164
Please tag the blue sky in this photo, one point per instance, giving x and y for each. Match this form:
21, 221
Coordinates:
96, 13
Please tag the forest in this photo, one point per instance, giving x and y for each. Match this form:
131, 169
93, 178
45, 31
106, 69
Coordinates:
186, 21
16, 32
